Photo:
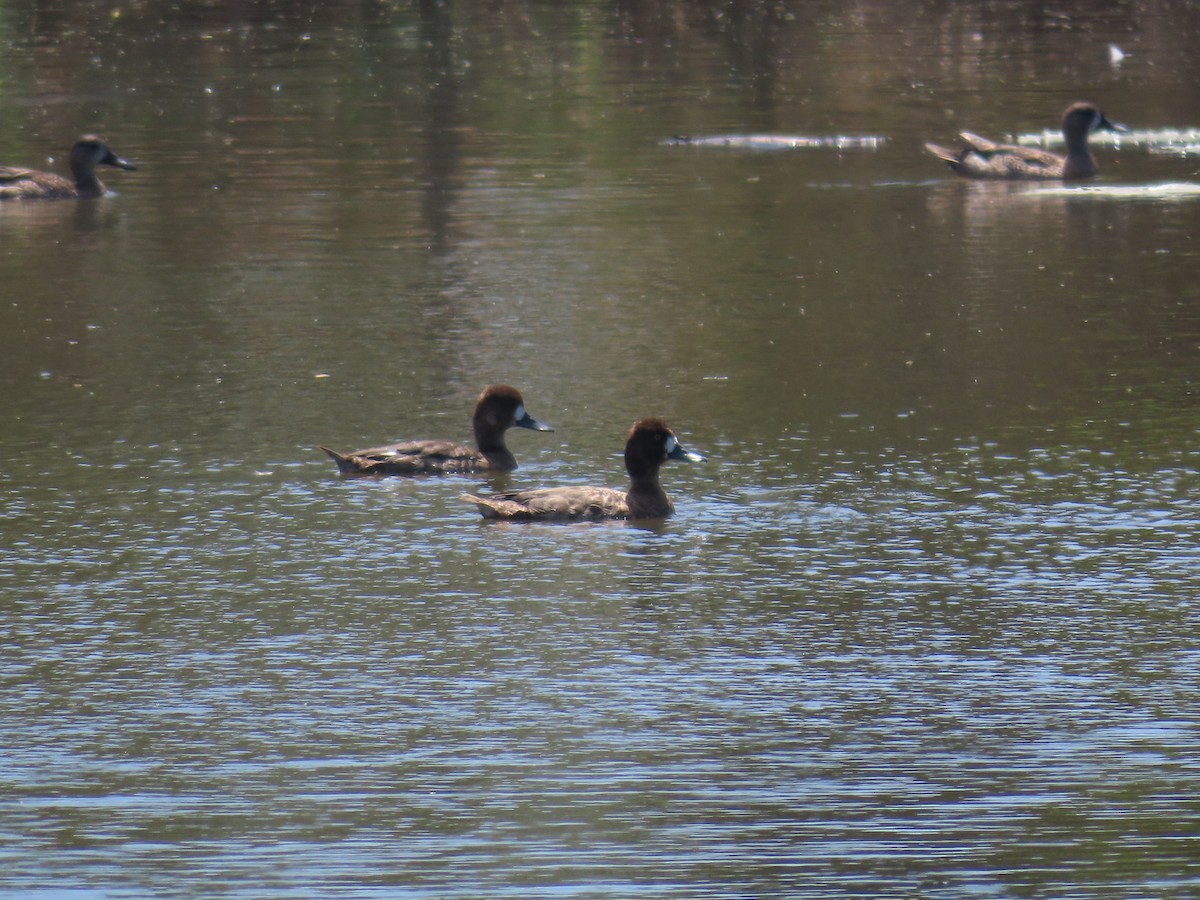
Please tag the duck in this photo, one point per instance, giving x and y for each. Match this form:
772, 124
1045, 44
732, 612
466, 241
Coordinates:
499, 408
649, 444
981, 158
87, 153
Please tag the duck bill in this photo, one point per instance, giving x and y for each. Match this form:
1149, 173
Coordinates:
113, 160
528, 421
1113, 126
678, 452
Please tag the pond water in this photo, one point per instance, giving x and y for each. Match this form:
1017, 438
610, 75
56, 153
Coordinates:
925, 623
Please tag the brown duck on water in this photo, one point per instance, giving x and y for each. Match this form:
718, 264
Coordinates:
499, 408
89, 151
650, 443
981, 158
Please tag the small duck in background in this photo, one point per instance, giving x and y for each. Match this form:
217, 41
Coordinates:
499, 408
649, 444
89, 151
981, 158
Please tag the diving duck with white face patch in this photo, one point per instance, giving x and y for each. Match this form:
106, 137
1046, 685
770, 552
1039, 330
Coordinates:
499, 408
650, 443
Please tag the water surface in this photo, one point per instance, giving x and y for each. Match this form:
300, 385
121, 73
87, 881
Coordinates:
924, 624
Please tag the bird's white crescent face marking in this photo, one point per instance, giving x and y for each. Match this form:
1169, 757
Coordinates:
672, 443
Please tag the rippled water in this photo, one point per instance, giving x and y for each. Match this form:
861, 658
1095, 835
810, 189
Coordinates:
924, 624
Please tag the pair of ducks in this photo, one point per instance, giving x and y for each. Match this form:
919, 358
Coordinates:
648, 445
977, 158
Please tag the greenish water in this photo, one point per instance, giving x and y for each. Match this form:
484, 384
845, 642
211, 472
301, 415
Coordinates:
924, 625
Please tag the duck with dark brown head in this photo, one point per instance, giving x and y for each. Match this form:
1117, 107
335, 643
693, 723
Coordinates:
89, 151
499, 408
982, 158
649, 444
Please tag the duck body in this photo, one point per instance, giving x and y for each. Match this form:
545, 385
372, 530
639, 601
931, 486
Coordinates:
563, 504
649, 444
418, 458
498, 408
87, 153
982, 158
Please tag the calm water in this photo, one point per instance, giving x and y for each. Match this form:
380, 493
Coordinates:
924, 625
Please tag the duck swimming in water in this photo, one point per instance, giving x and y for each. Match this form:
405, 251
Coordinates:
499, 408
89, 151
650, 443
981, 158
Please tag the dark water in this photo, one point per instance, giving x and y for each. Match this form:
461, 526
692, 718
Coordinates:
924, 625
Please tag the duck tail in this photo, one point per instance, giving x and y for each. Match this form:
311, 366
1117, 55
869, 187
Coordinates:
345, 462
487, 508
952, 157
